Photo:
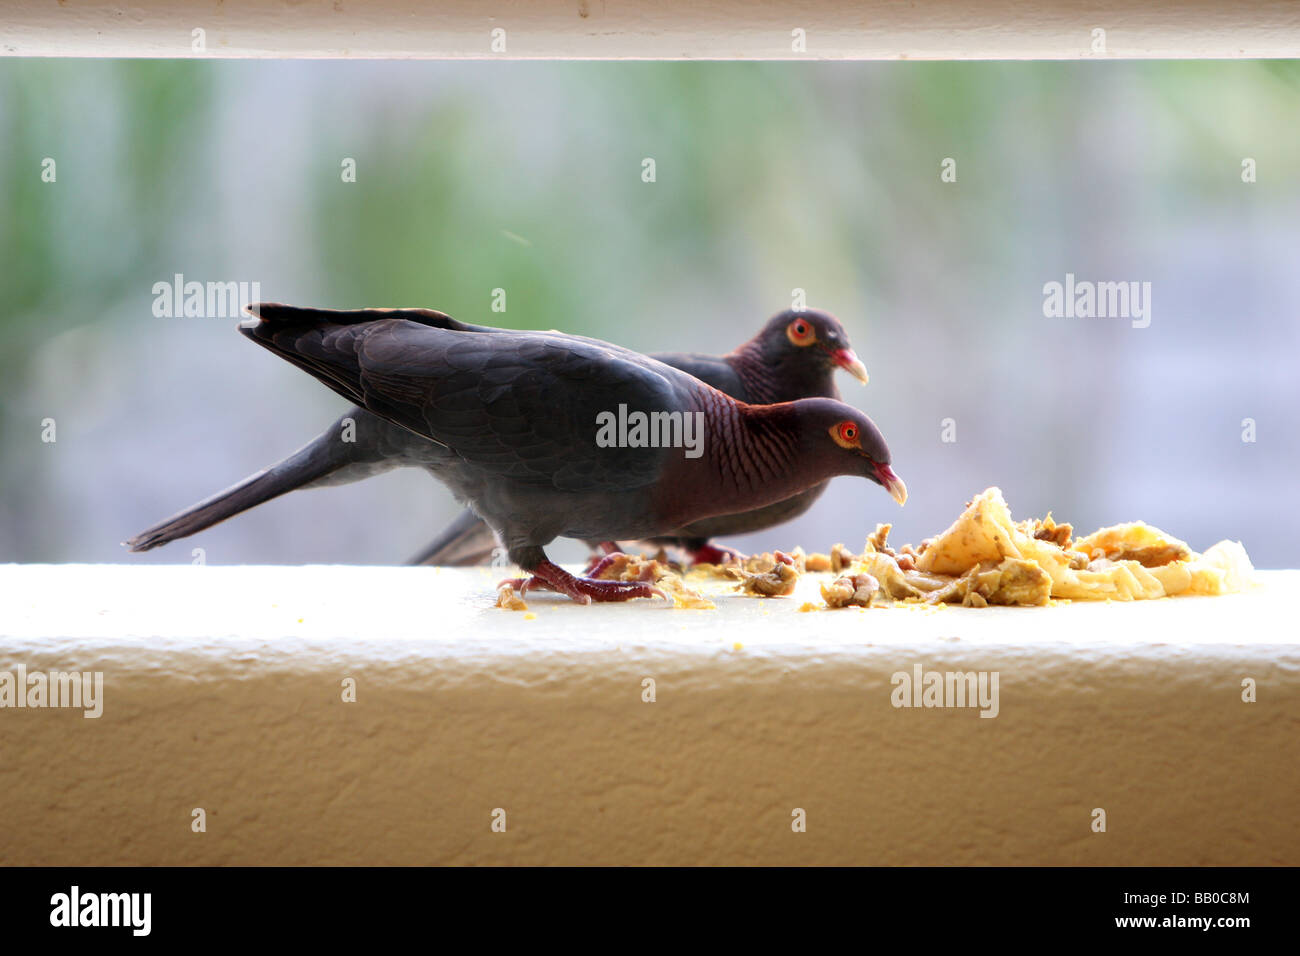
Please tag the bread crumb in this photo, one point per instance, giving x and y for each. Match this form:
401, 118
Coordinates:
628, 567
777, 581
508, 600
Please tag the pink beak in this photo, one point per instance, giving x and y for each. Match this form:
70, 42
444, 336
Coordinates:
846, 360
893, 484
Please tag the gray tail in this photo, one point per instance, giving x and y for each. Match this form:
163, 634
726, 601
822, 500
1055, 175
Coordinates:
467, 540
299, 317
305, 466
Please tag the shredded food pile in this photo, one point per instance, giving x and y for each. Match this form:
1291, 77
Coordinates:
984, 558
987, 558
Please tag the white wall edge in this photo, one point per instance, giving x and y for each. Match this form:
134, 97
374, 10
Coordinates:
669, 30
223, 689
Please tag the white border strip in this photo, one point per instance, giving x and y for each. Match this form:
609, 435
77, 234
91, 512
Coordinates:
644, 29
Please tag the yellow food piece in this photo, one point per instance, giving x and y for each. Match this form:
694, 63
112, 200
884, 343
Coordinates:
1222, 569
1148, 546
857, 589
769, 561
894, 581
778, 581
982, 533
635, 567
841, 558
508, 600
1012, 581
683, 597
817, 562
984, 557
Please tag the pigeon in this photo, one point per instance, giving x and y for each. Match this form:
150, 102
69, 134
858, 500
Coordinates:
547, 435
793, 356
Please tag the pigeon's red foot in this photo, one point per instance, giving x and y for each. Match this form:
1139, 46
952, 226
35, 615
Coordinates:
584, 590
714, 554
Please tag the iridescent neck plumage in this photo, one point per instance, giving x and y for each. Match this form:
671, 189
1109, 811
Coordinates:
768, 381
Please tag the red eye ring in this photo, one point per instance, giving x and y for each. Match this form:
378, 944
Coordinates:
847, 434
801, 332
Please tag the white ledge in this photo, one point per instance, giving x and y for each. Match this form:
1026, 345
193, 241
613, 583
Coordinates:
222, 690
652, 29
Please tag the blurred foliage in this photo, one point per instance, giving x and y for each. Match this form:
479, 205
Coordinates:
125, 137
526, 176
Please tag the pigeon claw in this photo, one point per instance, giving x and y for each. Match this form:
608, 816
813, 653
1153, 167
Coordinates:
584, 590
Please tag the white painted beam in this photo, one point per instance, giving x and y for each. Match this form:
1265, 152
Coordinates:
671, 29
223, 691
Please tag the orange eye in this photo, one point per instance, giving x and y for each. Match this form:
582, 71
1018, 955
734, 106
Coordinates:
801, 332
845, 435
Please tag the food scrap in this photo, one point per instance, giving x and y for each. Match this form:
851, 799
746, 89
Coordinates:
630, 567
508, 600
777, 581
835, 562
986, 558
851, 589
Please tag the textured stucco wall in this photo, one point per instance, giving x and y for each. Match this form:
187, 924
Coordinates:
656, 29
223, 691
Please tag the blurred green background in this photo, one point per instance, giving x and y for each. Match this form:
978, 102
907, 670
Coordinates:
769, 177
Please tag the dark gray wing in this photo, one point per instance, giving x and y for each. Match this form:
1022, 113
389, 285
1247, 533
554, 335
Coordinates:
520, 405
710, 369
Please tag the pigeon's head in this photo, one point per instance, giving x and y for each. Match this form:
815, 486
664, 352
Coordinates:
808, 338
848, 442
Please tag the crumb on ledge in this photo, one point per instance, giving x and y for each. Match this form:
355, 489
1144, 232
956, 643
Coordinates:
509, 600
778, 581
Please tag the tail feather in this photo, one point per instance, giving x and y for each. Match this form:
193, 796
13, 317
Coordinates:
298, 470
328, 344
279, 314
467, 540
